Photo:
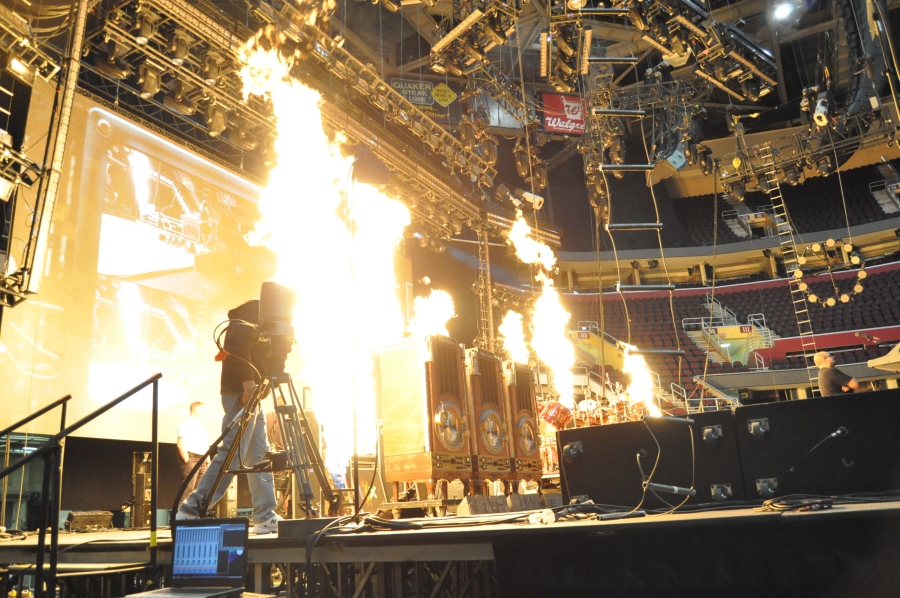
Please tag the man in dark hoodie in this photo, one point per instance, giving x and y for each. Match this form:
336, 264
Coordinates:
238, 381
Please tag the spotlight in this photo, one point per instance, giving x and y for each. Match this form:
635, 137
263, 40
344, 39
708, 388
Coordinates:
112, 65
6, 189
792, 176
576, 4
177, 50
816, 247
148, 80
830, 243
847, 247
830, 302
177, 99
215, 119
145, 27
635, 264
823, 165
750, 88
783, 11
494, 32
855, 260
212, 65
767, 253
812, 298
845, 298
17, 67
763, 183
861, 274
803, 286
652, 263
857, 288
798, 273
737, 191
239, 136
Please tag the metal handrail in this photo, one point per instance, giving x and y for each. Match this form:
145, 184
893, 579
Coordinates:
58, 402
51, 454
591, 326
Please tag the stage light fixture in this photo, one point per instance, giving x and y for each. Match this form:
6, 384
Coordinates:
812, 298
177, 99
145, 26
635, 264
148, 80
652, 263
112, 64
495, 33
239, 135
855, 260
857, 288
576, 4
211, 68
6, 189
763, 183
861, 274
783, 11
847, 247
738, 191
823, 165
17, 67
792, 176
177, 49
831, 302
845, 298
215, 119
390, 5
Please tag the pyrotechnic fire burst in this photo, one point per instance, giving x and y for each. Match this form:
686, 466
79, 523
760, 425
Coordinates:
335, 244
512, 332
431, 314
550, 319
640, 390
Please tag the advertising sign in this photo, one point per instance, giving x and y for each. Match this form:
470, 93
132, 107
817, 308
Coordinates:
564, 113
436, 101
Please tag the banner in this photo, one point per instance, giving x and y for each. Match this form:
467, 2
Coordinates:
564, 113
438, 102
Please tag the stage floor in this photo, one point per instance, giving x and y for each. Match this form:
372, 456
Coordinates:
476, 543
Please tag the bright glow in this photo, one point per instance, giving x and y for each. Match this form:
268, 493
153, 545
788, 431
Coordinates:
431, 314
347, 308
550, 320
512, 332
640, 390
550, 342
141, 176
783, 11
529, 250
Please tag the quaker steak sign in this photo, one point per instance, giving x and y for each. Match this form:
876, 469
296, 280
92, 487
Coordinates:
564, 114
436, 100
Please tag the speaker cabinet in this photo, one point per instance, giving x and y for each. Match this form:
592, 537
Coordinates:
836, 445
488, 415
424, 412
524, 435
609, 463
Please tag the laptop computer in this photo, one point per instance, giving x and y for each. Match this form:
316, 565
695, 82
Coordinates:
209, 559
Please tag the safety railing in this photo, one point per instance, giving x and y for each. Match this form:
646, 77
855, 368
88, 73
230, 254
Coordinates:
51, 454
759, 363
719, 310
689, 324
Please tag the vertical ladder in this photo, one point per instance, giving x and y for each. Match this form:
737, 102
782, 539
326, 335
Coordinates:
789, 255
483, 293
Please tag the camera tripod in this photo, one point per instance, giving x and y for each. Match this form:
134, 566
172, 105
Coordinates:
300, 455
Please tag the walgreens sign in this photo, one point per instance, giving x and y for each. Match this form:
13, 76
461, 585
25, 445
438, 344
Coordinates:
564, 114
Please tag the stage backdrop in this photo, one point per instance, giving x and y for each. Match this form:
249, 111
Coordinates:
146, 255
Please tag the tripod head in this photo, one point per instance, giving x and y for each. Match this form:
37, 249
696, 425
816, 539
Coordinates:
275, 333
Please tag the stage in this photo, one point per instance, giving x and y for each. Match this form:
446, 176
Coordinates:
850, 549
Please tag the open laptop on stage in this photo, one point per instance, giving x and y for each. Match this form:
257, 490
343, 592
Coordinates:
209, 559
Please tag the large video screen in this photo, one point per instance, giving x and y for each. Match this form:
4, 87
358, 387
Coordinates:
146, 255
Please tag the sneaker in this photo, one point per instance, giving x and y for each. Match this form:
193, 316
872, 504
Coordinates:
269, 526
181, 515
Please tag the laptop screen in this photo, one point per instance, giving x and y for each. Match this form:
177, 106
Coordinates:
210, 553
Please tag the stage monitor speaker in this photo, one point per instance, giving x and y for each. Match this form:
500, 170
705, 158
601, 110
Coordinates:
488, 413
424, 411
525, 438
141, 481
366, 472
89, 520
835, 445
610, 463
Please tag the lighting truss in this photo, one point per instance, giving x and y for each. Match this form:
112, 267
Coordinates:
16, 40
480, 27
726, 57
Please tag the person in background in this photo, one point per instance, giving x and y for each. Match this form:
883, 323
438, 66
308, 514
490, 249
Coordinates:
832, 381
192, 444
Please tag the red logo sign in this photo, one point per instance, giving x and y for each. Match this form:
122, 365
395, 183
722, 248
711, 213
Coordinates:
746, 329
586, 335
564, 114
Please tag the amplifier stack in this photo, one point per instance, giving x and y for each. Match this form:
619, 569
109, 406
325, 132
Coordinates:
450, 414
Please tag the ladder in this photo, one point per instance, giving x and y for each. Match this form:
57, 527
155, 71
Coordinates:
789, 255
483, 296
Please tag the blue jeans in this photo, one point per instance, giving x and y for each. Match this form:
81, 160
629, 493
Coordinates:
253, 445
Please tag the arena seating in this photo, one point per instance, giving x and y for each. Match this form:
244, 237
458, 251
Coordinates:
652, 323
815, 205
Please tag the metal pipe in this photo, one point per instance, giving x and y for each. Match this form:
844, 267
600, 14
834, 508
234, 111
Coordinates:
37, 244
613, 59
5, 481
675, 352
636, 226
605, 12
627, 288
627, 167
37, 414
614, 112
154, 470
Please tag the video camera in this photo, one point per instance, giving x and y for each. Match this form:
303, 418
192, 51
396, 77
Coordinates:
275, 332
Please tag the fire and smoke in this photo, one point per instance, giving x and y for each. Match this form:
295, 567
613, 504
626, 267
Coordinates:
550, 320
640, 390
431, 314
304, 209
512, 332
